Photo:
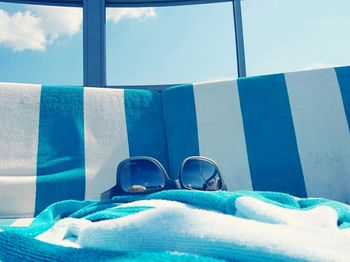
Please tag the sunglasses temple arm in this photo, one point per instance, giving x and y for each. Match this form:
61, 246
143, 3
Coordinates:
108, 194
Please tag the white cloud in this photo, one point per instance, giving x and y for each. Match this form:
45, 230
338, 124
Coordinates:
58, 21
117, 14
38, 26
21, 31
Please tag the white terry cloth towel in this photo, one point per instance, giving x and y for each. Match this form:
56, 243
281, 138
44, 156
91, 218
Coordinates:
262, 232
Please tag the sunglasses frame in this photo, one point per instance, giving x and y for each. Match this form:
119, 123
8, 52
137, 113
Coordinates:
169, 183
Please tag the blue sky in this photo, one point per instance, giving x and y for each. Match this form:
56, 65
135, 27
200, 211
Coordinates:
175, 44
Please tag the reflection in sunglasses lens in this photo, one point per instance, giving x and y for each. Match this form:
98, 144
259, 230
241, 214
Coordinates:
200, 174
141, 176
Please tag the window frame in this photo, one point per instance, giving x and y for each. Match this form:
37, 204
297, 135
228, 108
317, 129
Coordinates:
94, 32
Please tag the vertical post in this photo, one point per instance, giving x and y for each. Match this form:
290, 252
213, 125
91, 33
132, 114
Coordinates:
94, 38
237, 17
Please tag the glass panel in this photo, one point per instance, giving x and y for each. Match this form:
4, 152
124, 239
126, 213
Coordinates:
292, 35
41, 44
169, 45
200, 175
141, 176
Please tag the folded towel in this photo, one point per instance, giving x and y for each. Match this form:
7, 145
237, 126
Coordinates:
247, 226
270, 233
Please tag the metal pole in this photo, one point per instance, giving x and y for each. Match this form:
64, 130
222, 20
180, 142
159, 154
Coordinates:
238, 23
94, 38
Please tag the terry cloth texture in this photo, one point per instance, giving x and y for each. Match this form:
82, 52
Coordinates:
285, 132
20, 222
242, 225
61, 142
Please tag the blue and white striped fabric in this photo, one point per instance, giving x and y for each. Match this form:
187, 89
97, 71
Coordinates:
284, 132
65, 142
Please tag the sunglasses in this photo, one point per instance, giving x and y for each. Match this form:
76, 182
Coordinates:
145, 175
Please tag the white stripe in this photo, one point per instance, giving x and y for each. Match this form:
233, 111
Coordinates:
322, 133
19, 114
22, 222
220, 131
106, 139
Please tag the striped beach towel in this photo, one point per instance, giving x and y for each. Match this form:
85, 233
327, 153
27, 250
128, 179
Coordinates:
285, 132
61, 142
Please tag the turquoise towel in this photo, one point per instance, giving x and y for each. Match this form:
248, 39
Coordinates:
16, 247
264, 209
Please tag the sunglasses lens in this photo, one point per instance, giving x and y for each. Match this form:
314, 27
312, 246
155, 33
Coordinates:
141, 176
200, 174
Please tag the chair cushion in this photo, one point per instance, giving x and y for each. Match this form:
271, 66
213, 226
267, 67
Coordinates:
61, 142
284, 132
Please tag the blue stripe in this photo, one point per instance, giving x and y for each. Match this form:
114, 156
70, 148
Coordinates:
145, 126
343, 75
61, 161
181, 125
271, 143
